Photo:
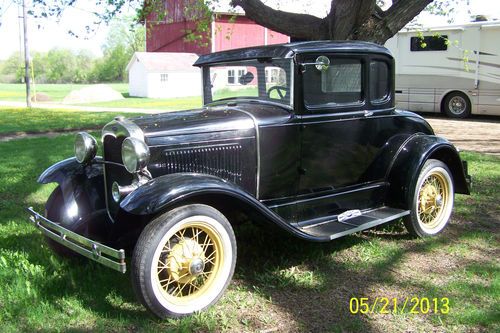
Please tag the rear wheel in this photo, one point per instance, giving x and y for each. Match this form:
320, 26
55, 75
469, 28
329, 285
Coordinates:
432, 200
183, 261
457, 105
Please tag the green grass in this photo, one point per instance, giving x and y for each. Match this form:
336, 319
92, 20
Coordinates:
280, 283
56, 92
14, 120
168, 104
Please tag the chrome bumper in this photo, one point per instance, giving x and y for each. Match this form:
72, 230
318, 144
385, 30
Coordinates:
103, 254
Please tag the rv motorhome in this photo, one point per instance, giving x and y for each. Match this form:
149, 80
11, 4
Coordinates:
454, 69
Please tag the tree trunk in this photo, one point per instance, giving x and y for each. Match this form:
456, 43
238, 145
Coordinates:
347, 19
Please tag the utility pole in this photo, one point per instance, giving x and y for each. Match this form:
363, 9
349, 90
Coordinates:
26, 54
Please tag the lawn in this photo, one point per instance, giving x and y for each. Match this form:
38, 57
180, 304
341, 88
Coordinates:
280, 283
167, 104
14, 120
56, 92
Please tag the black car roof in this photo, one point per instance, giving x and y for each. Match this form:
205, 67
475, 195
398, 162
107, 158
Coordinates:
290, 49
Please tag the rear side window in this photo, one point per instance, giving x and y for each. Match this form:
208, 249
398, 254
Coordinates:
379, 81
340, 83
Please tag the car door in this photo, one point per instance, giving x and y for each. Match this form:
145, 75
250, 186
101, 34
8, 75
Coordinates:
344, 126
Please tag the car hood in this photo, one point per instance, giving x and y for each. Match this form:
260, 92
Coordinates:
209, 119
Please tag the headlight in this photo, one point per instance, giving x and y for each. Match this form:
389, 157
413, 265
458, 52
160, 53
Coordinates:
135, 154
85, 147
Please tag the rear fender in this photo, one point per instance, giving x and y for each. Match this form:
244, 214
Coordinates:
408, 163
168, 191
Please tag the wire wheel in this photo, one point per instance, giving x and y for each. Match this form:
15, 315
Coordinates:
432, 200
189, 262
432, 196
184, 260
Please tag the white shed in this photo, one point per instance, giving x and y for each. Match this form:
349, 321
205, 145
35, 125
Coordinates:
163, 75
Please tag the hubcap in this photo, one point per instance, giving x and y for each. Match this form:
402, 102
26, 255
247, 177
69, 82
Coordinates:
457, 105
189, 263
432, 196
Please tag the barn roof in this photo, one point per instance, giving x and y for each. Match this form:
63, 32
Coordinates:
165, 61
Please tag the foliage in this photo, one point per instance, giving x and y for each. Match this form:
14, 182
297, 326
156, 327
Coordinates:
67, 66
373, 20
124, 38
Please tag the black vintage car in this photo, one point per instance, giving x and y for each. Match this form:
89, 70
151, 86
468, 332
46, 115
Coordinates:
304, 136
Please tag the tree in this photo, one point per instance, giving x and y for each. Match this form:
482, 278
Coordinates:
347, 19
370, 20
123, 39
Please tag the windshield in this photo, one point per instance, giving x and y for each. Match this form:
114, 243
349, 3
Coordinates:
251, 79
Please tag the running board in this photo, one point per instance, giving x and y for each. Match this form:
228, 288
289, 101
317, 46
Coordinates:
368, 219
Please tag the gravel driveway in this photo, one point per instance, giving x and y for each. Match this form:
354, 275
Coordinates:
480, 135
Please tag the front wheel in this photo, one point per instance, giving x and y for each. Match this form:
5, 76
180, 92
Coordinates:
183, 261
432, 200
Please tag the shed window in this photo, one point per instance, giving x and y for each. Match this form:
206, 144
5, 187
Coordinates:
230, 76
163, 77
429, 43
233, 75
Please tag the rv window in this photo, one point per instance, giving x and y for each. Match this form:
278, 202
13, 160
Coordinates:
379, 81
429, 43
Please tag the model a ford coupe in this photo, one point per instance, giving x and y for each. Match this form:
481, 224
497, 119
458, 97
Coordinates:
304, 136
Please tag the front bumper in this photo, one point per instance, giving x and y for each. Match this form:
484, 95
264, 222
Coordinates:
103, 254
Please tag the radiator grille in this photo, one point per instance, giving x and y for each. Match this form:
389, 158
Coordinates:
112, 153
223, 161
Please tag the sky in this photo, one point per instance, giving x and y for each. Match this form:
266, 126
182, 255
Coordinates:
50, 33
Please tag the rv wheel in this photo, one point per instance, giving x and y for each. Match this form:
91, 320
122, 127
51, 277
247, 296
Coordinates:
457, 105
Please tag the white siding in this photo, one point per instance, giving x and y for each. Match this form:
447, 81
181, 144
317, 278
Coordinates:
179, 84
137, 82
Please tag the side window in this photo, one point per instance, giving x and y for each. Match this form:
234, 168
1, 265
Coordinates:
340, 83
429, 43
379, 81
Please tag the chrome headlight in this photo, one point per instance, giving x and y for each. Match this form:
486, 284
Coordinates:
85, 147
135, 154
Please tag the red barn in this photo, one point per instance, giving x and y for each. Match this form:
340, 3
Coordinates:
225, 31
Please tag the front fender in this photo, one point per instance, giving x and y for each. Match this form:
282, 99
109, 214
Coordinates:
82, 188
171, 190
70, 168
408, 163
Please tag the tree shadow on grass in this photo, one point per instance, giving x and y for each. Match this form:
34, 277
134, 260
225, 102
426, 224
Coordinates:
324, 305
310, 283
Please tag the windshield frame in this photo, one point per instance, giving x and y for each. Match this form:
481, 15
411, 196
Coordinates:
207, 86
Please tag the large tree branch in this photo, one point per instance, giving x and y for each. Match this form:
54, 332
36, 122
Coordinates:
348, 19
379, 29
300, 26
402, 12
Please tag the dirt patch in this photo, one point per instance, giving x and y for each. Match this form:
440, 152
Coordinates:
480, 135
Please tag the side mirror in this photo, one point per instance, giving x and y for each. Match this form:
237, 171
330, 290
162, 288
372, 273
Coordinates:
321, 63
